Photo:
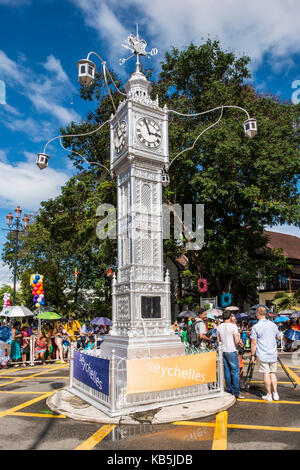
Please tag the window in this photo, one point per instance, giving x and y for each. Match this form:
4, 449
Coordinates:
151, 307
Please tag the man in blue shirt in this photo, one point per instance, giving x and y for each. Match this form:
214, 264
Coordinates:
87, 331
264, 348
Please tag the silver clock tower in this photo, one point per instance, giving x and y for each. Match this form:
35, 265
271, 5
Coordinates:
141, 311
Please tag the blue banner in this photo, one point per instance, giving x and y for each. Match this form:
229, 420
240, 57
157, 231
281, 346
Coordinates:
92, 371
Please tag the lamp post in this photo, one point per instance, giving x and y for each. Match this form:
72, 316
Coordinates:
16, 226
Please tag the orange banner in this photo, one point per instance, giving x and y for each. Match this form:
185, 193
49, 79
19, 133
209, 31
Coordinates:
154, 374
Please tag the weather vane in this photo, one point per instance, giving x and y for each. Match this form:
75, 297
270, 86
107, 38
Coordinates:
138, 47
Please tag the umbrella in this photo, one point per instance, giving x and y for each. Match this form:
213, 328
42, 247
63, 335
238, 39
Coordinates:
242, 316
101, 321
292, 335
259, 305
295, 314
286, 312
232, 308
217, 312
48, 316
281, 319
16, 311
187, 314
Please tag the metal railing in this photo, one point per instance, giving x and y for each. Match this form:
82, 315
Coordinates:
30, 356
119, 402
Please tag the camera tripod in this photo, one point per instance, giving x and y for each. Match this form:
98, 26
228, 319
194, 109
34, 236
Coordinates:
250, 371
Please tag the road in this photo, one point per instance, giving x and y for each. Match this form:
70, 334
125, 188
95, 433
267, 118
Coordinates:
251, 424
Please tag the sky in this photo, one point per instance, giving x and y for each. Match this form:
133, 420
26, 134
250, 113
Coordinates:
41, 42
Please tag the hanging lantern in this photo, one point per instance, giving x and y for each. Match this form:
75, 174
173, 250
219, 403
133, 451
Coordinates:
165, 179
42, 160
250, 127
86, 72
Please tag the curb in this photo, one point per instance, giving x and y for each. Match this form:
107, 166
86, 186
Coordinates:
65, 403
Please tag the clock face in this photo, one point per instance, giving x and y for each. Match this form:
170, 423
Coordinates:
148, 132
120, 136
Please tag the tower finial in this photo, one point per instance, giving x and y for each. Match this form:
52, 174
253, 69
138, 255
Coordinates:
138, 47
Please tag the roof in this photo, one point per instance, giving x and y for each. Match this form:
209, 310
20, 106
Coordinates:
289, 244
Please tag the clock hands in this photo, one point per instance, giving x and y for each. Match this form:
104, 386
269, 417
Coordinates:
147, 125
149, 132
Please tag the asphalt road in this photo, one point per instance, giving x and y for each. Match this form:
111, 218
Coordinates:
251, 424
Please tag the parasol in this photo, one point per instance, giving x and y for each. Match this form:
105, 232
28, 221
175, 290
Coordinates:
15, 311
187, 314
292, 335
48, 316
101, 321
281, 319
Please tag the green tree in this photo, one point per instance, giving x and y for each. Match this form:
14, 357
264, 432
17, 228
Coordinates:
244, 184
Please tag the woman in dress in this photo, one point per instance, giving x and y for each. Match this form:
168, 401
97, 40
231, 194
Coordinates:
15, 352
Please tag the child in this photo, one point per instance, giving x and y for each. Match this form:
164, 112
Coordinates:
66, 348
90, 343
41, 348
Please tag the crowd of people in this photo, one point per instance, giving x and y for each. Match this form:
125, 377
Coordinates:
51, 342
180, 328
260, 336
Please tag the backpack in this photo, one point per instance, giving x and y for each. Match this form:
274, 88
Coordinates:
191, 335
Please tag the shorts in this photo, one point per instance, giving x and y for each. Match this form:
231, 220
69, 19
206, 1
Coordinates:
266, 367
65, 347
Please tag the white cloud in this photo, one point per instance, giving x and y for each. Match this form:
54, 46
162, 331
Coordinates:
54, 65
254, 28
3, 157
5, 273
48, 94
27, 183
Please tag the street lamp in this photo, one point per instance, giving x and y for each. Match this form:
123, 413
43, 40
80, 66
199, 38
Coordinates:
17, 227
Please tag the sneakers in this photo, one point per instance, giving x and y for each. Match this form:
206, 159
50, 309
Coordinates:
267, 397
275, 396
240, 397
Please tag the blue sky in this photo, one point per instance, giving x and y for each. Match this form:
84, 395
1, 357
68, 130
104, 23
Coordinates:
42, 40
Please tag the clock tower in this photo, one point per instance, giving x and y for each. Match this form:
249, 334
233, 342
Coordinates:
141, 312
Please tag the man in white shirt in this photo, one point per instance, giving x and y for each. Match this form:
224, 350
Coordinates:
264, 349
228, 335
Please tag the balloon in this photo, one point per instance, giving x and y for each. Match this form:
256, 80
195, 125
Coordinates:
42, 303
37, 277
34, 281
37, 305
